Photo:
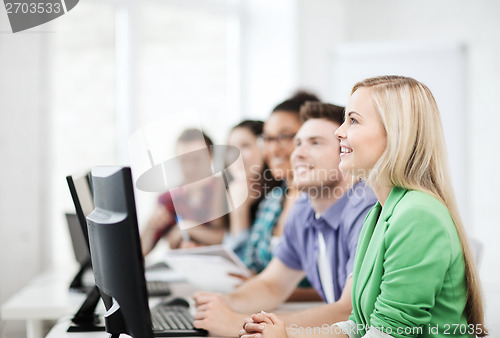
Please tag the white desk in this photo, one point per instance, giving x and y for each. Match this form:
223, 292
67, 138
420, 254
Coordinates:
60, 330
44, 298
178, 289
47, 298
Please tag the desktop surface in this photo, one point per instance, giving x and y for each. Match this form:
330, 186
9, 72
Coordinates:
179, 289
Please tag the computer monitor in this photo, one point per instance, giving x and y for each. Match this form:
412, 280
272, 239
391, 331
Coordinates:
85, 318
116, 253
81, 193
80, 247
82, 254
79, 188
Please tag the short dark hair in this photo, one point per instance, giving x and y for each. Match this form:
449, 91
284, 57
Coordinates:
293, 104
256, 127
193, 134
320, 110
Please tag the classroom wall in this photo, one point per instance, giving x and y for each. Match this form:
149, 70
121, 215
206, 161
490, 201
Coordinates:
269, 58
24, 157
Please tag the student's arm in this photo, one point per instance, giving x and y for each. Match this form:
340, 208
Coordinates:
305, 295
268, 325
224, 315
213, 231
324, 314
206, 235
267, 290
239, 218
160, 219
197, 234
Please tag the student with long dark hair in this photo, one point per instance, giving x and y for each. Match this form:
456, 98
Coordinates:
252, 180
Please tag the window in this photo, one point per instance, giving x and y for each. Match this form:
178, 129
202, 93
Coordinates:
115, 73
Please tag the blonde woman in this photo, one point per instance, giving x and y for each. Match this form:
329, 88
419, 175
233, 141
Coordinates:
413, 274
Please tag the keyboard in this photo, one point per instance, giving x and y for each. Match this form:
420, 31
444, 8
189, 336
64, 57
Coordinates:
158, 288
174, 321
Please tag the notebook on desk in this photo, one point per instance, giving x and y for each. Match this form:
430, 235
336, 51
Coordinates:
118, 264
210, 268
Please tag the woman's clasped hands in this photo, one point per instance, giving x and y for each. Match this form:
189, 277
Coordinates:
263, 325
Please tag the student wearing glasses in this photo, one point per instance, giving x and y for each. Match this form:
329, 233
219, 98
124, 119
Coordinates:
414, 275
279, 131
252, 179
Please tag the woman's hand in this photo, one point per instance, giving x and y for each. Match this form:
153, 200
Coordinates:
263, 325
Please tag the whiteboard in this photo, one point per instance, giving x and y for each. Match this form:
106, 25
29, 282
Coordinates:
441, 65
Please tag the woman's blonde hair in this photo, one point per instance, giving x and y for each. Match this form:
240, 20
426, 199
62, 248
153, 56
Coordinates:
415, 158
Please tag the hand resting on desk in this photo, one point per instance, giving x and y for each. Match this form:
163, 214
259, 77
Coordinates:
214, 314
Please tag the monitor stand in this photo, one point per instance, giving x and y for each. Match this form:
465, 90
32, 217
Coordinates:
86, 320
77, 282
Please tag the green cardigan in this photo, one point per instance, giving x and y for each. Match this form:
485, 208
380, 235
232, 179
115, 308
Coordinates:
409, 275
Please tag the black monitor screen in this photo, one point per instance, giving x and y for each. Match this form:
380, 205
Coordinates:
81, 194
116, 252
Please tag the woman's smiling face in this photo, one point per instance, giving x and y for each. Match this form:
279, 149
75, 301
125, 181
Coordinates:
362, 136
